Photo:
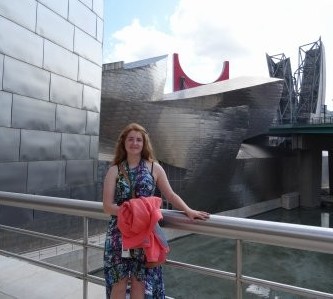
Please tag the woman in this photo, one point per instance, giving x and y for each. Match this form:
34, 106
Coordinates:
134, 156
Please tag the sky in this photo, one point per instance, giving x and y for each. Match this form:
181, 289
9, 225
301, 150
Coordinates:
207, 33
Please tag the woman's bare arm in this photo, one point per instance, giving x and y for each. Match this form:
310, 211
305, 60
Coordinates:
165, 188
109, 187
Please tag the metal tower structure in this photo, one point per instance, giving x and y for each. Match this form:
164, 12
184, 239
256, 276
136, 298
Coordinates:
310, 81
279, 67
303, 93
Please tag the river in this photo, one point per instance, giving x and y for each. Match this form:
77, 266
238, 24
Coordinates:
291, 266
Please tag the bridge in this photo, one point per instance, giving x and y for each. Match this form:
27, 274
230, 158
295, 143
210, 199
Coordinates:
317, 126
308, 141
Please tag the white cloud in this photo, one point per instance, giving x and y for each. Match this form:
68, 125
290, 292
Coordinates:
209, 32
135, 42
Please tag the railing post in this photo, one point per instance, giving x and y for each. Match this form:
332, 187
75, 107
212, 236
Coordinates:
239, 269
85, 258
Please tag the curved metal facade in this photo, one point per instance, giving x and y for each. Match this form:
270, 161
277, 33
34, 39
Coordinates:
143, 80
50, 91
197, 133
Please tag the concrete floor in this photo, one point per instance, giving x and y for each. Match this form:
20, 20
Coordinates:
21, 280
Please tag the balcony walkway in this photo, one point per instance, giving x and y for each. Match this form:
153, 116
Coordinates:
22, 280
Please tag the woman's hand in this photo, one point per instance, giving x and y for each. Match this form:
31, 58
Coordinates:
165, 188
194, 214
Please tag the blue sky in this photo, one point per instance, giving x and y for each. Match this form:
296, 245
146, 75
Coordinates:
120, 13
206, 33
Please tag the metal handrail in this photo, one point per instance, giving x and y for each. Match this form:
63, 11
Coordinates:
303, 237
317, 120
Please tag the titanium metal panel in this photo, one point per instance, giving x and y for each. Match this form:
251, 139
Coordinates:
88, 3
39, 145
253, 151
1, 69
87, 192
12, 35
74, 146
55, 28
6, 108
220, 87
9, 144
81, 16
92, 127
259, 187
94, 143
87, 46
64, 192
65, 91
37, 44
13, 177
262, 173
100, 29
70, 120
261, 99
21, 12
59, 6
143, 80
98, 7
33, 114
90, 73
91, 99
36, 87
43, 175
60, 61
262, 95
22, 216
79, 172
96, 176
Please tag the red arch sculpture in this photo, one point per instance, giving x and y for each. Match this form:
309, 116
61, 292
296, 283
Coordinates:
182, 81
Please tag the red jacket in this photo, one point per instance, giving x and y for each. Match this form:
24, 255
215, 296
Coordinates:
137, 220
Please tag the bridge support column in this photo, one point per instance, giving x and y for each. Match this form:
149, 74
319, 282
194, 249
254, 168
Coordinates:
310, 164
330, 171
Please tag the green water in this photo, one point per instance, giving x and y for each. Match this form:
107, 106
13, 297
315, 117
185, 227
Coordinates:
290, 266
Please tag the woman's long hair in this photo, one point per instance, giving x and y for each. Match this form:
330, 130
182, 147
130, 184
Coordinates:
120, 151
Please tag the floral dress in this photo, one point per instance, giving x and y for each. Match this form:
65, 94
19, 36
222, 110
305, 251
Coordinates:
115, 266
